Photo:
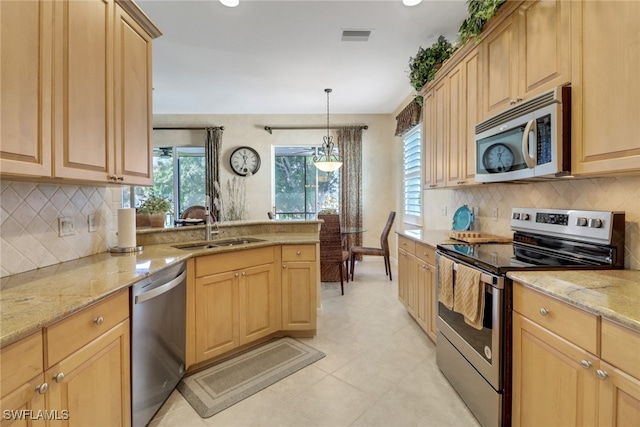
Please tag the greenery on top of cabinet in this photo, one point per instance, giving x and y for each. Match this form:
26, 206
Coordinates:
480, 11
423, 67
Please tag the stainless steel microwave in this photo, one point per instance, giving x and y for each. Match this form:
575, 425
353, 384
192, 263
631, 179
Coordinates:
531, 140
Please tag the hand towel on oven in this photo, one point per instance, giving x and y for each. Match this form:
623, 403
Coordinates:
468, 297
445, 282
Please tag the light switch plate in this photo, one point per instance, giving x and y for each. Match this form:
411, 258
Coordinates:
494, 214
65, 226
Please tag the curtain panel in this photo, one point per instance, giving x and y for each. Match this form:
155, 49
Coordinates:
408, 118
350, 145
212, 164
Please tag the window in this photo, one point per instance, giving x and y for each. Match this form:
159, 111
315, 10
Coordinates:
301, 190
411, 163
178, 174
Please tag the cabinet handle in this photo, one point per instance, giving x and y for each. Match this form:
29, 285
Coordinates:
284, 266
42, 388
298, 253
432, 185
244, 274
237, 274
518, 99
98, 320
512, 102
544, 311
586, 364
121, 178
59, 377
113, 178
603, 375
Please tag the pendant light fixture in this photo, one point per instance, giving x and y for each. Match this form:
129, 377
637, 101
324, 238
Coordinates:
411, 2
327, 161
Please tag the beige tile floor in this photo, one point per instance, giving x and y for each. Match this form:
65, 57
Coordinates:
379, 370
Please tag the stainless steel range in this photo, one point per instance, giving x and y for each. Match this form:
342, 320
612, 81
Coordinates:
477, 359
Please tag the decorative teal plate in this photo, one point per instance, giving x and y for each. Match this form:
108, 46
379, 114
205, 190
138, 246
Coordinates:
462, 219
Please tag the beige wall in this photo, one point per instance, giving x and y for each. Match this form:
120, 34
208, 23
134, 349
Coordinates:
379, 155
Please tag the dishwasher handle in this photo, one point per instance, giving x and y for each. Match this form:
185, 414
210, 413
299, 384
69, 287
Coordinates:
160, 289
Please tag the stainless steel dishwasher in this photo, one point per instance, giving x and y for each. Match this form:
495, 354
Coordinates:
158, 337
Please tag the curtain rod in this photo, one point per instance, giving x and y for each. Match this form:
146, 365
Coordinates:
189, 128
272, 128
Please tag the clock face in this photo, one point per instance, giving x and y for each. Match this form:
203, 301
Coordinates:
244, 160
498, 158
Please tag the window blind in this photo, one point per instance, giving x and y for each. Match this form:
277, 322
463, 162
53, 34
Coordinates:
412, 166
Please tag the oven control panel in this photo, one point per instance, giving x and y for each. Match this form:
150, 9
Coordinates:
586, 225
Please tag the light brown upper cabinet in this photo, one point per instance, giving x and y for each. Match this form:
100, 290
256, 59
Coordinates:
82, 109
26, 46
605, 87
525, 54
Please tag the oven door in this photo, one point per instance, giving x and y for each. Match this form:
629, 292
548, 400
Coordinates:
482, 348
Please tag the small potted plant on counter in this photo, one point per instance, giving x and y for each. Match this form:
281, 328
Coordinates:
156, 207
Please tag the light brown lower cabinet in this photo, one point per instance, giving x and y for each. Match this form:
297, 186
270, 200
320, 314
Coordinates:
237, 298
417, 283
556, 382
76, 373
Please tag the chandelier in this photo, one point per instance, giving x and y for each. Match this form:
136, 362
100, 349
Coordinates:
327, 161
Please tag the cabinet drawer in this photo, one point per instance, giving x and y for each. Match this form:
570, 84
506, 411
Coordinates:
234, 260
571, 323
407, 244
74, 332
20, 361
621, 347
298, 253
426, 253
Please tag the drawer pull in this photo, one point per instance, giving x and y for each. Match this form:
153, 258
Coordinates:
98, 320
59, 377
244, 274
298, 253
42, 388
586, 364
544, 311
603, 375
237, 274
284, 266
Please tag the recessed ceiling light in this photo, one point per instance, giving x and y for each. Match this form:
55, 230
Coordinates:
411, 2
230, 3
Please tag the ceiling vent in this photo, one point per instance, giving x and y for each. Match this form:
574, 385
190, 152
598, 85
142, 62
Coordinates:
355, 35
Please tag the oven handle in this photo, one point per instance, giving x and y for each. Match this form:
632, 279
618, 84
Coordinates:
484, 277
530, 128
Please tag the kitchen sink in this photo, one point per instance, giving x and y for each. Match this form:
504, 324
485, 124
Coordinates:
218, 243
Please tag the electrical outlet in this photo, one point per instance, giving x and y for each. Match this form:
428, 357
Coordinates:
444, 211
474, 211
494, 214
65, 226
92, 223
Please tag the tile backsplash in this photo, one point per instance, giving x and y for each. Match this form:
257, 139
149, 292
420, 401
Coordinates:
608, 194
29, 215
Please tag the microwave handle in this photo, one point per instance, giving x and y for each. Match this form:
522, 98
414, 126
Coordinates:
528, 159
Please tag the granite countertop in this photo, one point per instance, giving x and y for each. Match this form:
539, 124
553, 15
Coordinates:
37, 298
428, 237
612, 294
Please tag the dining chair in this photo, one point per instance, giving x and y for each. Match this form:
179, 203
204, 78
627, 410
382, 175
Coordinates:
196, 212
331, 254
382, 251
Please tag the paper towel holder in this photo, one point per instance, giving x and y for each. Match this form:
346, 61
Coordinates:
119, 250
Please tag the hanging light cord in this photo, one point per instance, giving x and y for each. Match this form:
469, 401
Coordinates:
328, 140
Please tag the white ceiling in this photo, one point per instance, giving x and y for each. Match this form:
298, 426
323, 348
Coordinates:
277, 57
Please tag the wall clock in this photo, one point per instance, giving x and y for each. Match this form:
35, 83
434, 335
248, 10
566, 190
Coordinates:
498, 158
244, 160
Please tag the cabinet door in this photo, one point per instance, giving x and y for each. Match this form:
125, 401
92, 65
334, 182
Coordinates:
455, 129
299, 296
545, 46
93, 384
472, 115
619, 403
132, 68
23, 399
411, 296
500, 67
217, 315
259, 303
554, 381
605, 86
432, 302
427, 139
403, 276
440, 141
83, 88
422, 298
26, 37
